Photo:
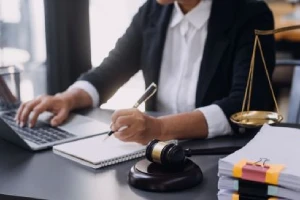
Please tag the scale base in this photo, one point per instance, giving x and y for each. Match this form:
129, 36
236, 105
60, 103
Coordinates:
149, 176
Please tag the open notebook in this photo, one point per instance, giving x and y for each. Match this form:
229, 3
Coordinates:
96, 153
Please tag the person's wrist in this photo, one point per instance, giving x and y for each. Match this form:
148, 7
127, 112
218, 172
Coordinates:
159, 130
69, 98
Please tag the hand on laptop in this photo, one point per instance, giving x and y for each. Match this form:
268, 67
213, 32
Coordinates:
60, 105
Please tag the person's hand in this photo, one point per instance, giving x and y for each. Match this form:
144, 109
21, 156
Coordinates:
59, 105
141, 128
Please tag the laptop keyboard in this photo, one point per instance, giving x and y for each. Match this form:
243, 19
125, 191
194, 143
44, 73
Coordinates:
41, 134
8, 106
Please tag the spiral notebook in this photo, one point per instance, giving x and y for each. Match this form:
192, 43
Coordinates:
96, 153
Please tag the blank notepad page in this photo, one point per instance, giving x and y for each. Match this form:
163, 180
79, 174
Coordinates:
98, 152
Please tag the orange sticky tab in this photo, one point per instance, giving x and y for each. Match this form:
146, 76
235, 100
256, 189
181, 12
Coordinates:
273, 198
238, 169
236, 196
272, 175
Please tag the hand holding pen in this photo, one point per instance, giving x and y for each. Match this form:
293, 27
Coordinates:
128, 123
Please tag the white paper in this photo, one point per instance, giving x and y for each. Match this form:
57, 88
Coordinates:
96, 151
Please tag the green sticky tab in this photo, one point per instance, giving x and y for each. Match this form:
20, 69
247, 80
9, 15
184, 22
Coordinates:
272, 190
236, 185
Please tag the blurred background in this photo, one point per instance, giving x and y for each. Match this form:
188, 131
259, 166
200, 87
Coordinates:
47, 38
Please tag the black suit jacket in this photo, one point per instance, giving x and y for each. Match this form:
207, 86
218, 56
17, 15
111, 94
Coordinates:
226, 58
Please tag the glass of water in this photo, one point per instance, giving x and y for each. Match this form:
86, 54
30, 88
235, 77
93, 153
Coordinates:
9, 87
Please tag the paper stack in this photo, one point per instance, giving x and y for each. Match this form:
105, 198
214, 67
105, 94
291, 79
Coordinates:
268, 167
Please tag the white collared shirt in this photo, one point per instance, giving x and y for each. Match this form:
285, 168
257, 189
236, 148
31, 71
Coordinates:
182, 56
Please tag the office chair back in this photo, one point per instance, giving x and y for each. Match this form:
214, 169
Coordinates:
294, 102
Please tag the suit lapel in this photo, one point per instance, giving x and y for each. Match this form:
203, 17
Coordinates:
156, 36
215, 46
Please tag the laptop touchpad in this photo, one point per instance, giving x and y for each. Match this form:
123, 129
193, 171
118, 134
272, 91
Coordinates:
81, 125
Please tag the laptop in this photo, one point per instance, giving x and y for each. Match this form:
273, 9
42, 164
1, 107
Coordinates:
43, 135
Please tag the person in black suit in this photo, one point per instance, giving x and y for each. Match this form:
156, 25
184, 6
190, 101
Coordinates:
197, 51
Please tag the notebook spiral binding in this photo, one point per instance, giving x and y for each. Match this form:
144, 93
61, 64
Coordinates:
128, 157
122, 159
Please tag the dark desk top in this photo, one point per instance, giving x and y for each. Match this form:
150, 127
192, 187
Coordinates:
48, 176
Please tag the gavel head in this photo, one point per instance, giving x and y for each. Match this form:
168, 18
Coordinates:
166, 154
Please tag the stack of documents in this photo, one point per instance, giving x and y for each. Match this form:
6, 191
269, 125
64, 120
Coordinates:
268, 166
232, 185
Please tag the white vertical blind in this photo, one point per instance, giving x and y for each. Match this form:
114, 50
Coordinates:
108, 22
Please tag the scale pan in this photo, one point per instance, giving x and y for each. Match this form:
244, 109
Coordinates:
254, 119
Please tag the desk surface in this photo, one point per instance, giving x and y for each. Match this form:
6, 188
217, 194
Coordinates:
45, 175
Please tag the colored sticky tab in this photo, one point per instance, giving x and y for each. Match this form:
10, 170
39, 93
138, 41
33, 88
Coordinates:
235, 196
257, 172
273, 173
238, 169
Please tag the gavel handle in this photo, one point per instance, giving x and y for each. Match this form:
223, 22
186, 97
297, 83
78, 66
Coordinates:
212, 151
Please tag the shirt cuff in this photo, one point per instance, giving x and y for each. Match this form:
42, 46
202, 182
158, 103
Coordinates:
217, 122
88, 88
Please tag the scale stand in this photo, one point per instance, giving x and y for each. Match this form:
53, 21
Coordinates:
256, 118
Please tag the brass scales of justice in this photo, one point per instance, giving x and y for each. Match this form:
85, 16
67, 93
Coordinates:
252, 119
